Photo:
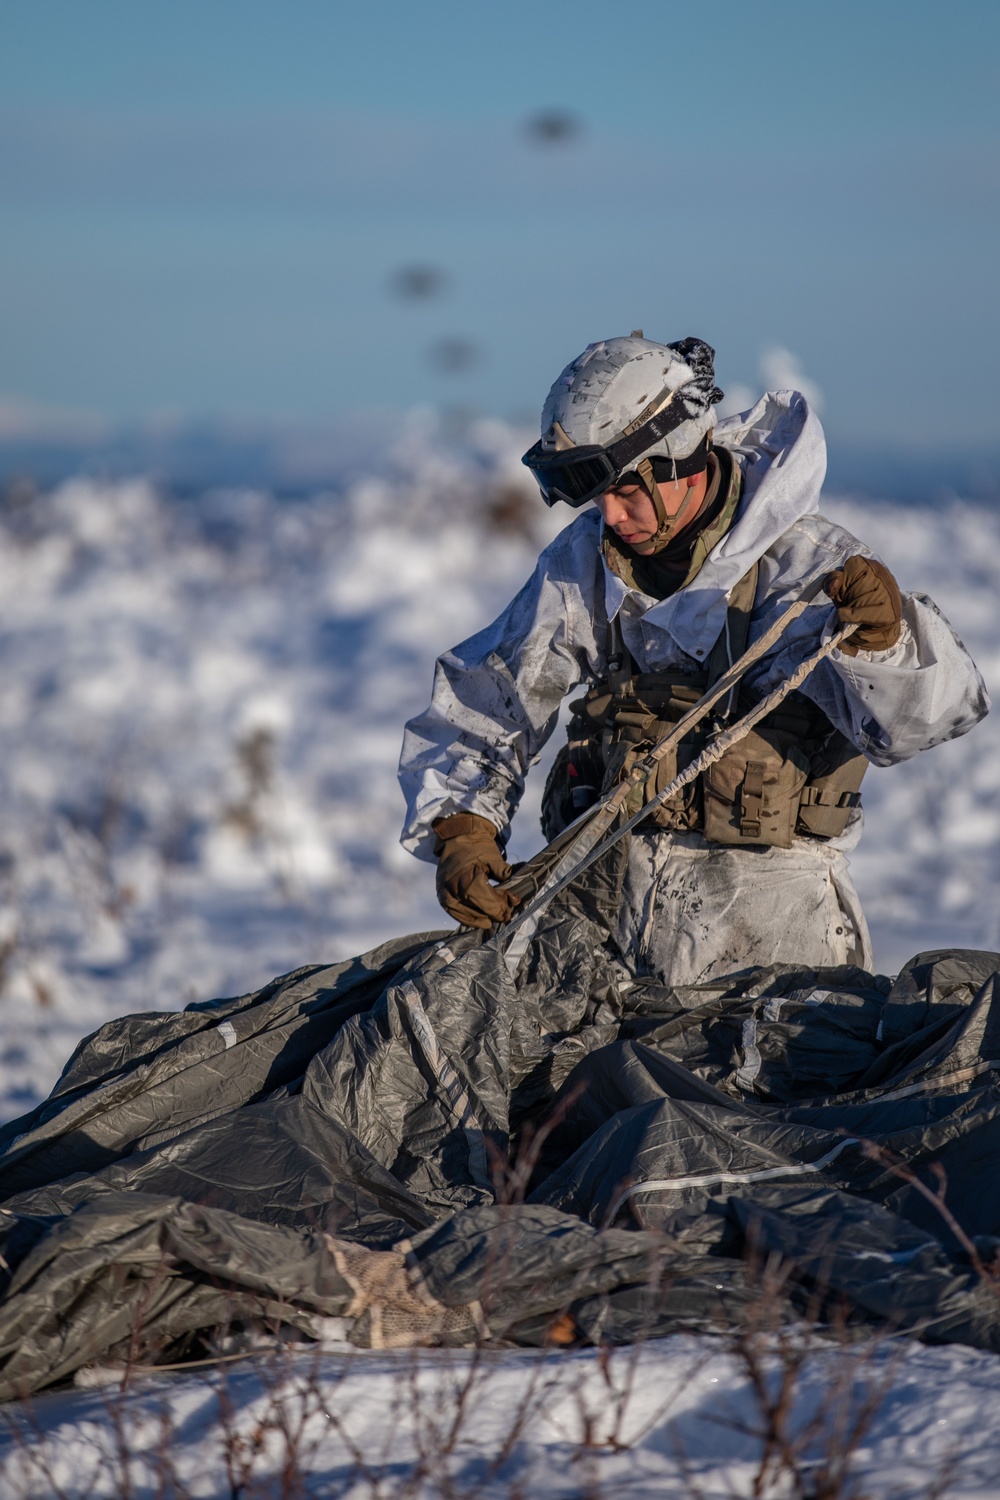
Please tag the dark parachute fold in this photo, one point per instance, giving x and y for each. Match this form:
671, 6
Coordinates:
437, 1150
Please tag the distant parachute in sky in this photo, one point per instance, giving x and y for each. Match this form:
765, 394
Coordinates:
553, 127
418, 282
453, 356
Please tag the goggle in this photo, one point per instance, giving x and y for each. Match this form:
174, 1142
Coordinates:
577, 475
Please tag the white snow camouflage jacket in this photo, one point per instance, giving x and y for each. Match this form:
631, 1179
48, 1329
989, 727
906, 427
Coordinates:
496, 697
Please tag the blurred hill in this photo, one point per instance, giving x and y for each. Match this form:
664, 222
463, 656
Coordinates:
41, 449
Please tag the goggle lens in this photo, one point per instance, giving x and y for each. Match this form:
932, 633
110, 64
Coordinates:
574, 477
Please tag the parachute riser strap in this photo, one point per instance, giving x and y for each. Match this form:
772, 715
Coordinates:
725, 740
582, 851
597, 819
721, 688
642, 771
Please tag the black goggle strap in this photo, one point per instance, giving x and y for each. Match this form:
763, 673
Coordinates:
627, 449
622, 453
680, 468
577, 476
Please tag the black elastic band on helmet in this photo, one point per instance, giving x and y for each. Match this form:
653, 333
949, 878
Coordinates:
577, 475
635, 445
665, 469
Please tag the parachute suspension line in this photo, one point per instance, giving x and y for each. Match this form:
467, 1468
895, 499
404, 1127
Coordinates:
588, 843
711, 1179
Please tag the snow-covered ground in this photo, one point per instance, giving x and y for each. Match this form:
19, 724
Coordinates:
673, 1418
201, 705
200, 712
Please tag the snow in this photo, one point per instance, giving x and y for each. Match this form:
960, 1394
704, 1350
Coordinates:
201, 703
650, 1421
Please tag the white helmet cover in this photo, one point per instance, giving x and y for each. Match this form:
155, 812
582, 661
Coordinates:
610, 384
617, 387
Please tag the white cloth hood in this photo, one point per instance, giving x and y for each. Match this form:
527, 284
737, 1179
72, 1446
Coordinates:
780, 447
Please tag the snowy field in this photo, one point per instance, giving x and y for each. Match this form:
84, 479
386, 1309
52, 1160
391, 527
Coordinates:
201, 704
665, 1421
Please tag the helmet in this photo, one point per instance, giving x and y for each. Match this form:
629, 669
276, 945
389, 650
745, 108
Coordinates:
620, 405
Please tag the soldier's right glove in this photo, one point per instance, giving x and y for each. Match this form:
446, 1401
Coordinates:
468, 854
867, 595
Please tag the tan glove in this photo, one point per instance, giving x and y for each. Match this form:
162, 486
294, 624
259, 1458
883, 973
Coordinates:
866, 594
468, 854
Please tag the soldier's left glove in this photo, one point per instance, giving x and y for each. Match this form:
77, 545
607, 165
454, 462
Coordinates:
867, 595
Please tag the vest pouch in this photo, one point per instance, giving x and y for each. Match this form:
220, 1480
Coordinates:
751, 794
630, 742
833, 790
574, 782
682, 813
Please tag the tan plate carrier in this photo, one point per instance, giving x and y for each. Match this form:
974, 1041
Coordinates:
794, 776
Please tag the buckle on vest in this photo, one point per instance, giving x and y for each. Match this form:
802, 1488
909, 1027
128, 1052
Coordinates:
752, 799
815, 796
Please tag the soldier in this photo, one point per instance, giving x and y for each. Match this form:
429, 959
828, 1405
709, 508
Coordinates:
699, 535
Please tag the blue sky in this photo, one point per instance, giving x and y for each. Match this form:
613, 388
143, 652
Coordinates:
205, 204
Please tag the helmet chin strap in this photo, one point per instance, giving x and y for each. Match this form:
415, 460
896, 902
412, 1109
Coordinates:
669, 525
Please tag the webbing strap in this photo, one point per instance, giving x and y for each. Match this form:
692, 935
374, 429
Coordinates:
752, 799
732, 639
816, 796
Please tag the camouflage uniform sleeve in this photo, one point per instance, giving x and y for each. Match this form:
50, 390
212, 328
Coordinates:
890, 704
925, 690
496, 697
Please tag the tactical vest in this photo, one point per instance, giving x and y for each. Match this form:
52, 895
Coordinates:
793, 776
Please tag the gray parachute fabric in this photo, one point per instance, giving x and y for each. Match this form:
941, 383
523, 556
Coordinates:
437, 1150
